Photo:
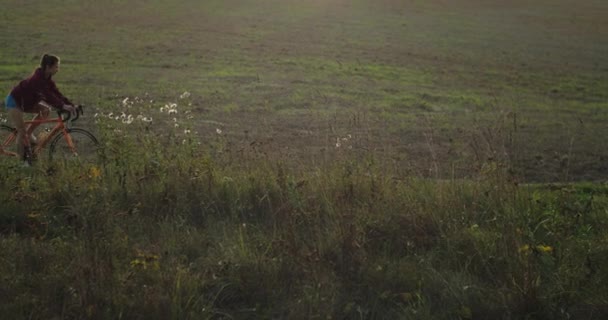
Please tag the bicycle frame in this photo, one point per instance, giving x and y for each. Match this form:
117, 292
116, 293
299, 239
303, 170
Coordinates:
59, 128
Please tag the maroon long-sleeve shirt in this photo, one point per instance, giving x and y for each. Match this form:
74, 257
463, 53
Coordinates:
29, 92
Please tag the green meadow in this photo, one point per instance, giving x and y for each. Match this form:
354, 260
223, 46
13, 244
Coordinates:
322, 159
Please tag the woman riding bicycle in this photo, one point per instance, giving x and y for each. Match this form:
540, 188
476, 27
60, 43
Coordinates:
35, 94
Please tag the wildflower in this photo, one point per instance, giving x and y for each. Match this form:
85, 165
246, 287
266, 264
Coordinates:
23, 183
128, 120
185, 95
186, 131
218, 130
543, 248
524, 249
95, 116
33, 215
125, 101
172, 111
111, 115
145, 260
176, 125
146, 119
338, 144
94, 172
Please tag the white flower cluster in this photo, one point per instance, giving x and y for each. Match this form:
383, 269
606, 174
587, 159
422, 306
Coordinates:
185, 95
189, 115
339, 141
128, 102
169, 108
124, 118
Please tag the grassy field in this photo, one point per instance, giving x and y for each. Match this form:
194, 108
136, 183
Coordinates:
314, 159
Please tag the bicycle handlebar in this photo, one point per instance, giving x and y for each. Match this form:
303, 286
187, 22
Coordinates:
68, 115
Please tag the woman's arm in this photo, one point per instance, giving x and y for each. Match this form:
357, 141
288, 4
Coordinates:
58, 95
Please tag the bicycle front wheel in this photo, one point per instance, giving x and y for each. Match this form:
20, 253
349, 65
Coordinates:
80, 144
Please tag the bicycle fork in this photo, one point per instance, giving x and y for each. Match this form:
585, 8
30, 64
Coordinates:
70, 142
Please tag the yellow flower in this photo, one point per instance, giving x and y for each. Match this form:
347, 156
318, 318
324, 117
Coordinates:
146, 260
524, 249
543, 248
94, 172
23, 183
138, 263
33, 215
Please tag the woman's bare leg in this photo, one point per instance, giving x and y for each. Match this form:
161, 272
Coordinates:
42, 111
16, 116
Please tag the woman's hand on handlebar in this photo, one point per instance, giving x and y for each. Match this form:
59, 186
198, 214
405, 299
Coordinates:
71, 109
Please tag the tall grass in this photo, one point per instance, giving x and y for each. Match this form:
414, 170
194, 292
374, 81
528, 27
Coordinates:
163, 227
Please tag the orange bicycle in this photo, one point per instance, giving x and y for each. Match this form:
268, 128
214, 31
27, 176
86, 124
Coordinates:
65, 142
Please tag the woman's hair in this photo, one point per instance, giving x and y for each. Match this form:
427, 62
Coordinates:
48, 60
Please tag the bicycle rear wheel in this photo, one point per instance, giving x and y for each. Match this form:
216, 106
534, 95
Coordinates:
84, 146
7, 139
